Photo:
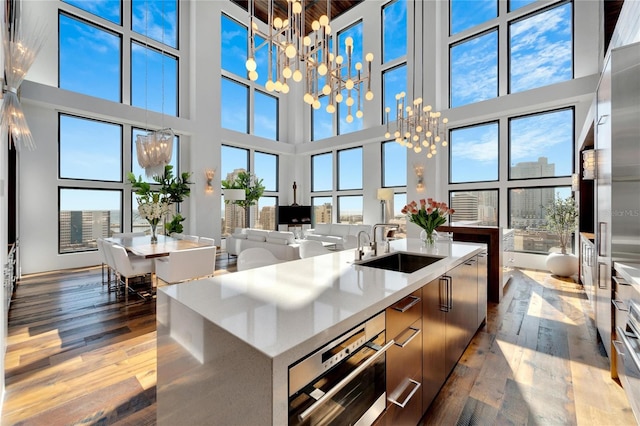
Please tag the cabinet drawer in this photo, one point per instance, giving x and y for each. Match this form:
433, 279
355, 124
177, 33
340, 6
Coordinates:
403, 313
404, 377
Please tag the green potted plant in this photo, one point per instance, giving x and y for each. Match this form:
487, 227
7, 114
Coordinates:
562, 219
173, 190
253, 189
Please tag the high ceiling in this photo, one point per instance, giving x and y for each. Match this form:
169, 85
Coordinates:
313, 9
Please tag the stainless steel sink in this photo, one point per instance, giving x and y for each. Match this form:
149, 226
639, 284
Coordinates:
400, 262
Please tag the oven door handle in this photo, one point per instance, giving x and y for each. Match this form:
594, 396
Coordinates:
344, 382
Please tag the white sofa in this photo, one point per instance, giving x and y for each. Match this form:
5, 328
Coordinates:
343, 235
281, 244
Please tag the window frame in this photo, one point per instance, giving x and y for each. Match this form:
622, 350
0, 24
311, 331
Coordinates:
120, 36
526, 16
492, 189
121, 160
533, 114
71, 187
450, 152
337, 183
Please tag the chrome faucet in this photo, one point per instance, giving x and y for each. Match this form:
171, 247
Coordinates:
360, 249
374, 243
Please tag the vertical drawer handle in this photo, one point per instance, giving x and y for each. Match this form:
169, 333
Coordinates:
416, 386
444, 291
416, 331
602, 283
601, 234
410, 302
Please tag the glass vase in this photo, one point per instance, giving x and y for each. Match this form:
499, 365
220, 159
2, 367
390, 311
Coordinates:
154, 237
428, 238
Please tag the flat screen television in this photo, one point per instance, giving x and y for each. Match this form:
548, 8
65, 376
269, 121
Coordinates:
294, 215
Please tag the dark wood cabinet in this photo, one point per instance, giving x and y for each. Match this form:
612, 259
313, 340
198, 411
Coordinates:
434, 323
404, 361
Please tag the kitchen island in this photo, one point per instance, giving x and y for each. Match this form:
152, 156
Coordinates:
225, 343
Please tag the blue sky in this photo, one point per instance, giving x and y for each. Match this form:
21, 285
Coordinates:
540, 54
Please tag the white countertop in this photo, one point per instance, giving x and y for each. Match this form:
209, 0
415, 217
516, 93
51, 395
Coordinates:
277, 308
629, 271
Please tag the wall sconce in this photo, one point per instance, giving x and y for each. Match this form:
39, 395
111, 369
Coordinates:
575, 182
209, 174
420, 175
589, 164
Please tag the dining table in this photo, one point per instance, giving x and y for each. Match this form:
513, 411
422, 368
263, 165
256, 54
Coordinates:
142, 246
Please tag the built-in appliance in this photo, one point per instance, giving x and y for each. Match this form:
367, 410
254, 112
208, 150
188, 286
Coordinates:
627, 348
343, 382
617, 178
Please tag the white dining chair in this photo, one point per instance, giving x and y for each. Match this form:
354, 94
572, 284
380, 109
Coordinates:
103, 259
255, 257
111, 263
192, 238
189, 264
127, 267
310, 248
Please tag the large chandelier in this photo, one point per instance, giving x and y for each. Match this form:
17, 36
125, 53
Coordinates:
20, 46
154, 151
417, 126
294, 55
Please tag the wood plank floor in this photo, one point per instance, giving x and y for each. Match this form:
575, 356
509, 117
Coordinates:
78, 354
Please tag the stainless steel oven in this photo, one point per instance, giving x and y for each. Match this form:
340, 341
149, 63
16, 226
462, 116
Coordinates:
343, 382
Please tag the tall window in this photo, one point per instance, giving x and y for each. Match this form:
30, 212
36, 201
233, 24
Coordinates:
156, 19
350, 209
474, 153
234, 43
322, 172
233, 161
265, 115
235, 108
322, 210
394, 20
350, 169
85, 68
265, 213
541, 49
541, 145
394, 81
394, 164
86, 215
474, 69
243, 107
527, 217
475, 208
90, 149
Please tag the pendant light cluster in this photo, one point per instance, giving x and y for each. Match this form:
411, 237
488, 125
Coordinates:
418, 126
294, 55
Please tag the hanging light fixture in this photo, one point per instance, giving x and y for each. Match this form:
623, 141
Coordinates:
417, 125
20, 49
155, 149
294, 55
